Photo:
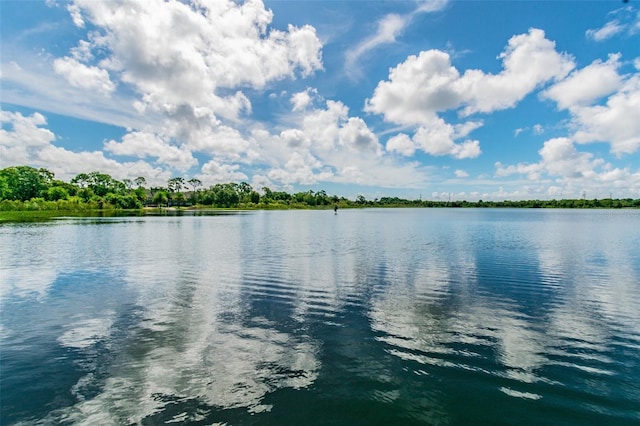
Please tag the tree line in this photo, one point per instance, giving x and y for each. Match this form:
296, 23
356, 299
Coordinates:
28, 188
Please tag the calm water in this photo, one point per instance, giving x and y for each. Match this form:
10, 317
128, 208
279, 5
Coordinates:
426, 316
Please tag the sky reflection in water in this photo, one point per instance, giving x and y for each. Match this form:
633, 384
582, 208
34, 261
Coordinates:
381, 314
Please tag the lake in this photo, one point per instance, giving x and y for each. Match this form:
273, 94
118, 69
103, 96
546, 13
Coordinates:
372, 316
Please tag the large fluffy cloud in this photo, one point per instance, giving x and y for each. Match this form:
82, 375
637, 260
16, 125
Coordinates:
438, 138
188, 65
428, 83
24, 140
181, 77
615, 121
587, 84
83, 76
185, 66
573, 170
327, 144
24, 131
402, 144
176, 53
143, 144
215, 172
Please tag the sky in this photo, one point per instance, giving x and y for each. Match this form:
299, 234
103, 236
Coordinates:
430, 99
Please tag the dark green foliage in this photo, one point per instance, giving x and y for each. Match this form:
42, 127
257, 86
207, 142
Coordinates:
221, 195
56, 193
23, 183
160, 198
100, 184
30, 189
141, 194
119, 201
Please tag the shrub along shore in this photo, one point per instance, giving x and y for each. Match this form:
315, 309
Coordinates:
24, 189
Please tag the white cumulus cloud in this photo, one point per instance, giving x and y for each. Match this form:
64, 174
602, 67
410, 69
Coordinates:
437, 140
426, 84
83, 76
22, 137
24, 131
179, 53
401, 144
144, 144
302, 169
573, 170
215, 172
329, 145
356, 135
301, 100
587, 84
615, 121
25, 141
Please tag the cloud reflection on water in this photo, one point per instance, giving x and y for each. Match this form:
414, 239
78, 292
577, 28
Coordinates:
586, 306
195, 339
220, 313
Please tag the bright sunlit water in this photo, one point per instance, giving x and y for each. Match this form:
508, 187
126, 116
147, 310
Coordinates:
398, 316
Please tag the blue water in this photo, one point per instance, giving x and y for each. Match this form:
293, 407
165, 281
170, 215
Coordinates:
390, 316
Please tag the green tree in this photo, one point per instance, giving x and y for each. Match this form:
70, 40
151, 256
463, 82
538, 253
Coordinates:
321, 198
100, 183
56, 193
229, 197
120, 201
222, 195
195, 185
244, 190
160, 198
140, 181
309, 198
175, 184
281, 196
85, 194
179, 198
5, 189
266, 193
24, 183
46, 176
82, 180
141, 194
69, 187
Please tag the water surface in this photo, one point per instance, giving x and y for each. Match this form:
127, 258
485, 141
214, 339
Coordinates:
376, 316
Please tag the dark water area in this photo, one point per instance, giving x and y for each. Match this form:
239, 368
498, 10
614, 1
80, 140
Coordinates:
374, 316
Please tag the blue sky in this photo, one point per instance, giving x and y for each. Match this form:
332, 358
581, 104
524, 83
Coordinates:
433, 99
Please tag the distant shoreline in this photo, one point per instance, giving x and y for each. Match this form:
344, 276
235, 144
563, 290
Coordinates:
24, 190
43, 215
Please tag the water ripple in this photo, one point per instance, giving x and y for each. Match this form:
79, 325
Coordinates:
372, 316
